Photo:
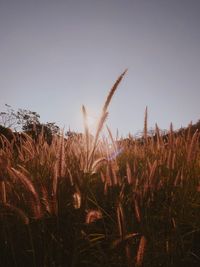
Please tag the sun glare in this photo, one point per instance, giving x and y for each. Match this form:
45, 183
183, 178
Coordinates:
91, 121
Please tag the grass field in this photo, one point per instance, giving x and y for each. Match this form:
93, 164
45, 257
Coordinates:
88, 201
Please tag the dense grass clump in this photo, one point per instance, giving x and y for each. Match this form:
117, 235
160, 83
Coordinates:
87, 201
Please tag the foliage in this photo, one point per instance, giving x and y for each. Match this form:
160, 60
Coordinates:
26, 121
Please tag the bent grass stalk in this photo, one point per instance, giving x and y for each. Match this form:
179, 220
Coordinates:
103, 116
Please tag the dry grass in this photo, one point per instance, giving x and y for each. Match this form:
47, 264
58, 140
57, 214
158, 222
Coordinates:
137, 198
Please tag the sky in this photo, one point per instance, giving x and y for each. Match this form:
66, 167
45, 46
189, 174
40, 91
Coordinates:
56, 55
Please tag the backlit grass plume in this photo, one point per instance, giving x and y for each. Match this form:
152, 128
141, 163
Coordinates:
101, 121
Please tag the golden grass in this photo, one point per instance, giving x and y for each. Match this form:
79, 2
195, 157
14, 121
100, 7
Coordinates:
136, 179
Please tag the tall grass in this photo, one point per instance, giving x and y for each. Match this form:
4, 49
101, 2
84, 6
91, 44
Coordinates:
82, 202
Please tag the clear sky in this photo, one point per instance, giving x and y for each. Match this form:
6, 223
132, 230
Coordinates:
56, 55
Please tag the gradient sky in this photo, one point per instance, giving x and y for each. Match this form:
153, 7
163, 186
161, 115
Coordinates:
56, 55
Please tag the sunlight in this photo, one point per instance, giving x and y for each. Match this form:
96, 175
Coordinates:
91, 120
